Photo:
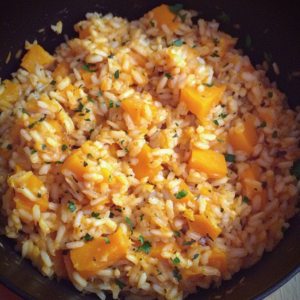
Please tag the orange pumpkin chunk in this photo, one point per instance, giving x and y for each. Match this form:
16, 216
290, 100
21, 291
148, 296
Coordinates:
201, 103
217, 259
11, 92
210, 162
163, 15
62, 69
36, 55
99, 254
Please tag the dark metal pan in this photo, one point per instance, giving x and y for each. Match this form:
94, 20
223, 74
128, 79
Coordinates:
273, 27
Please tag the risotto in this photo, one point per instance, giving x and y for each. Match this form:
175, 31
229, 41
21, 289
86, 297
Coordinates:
145, 158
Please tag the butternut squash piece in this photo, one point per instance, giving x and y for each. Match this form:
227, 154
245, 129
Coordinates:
201, 103
36, 55
33, 184
217, 259
244, 138
86, 76
163, 15
189, 196
134, 108
250, 190
210, 162
84, 33
157, 248
62, 69
97, 254
204, 227
142, 168
11, 92
267, 114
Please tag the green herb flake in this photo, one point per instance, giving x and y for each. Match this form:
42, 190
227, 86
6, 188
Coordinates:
194, 46
229, 157
262, 125
88, 120
219, 140
116, 74
188, 243
248, 41
168, 75
53, 82
183, 17
195, 256
109, 178
80, 107
75, 179
43, 146
111, 55
90, 100
177, 43
175, 8
24, 111
118, 104
39, 195
95, 215
87, 238
223, 116
270, 94
64, 147
120, 284
47, 162
85, 164
58, 162
71, 206
129, 223
152, 24
141, 217
111, 103
246, 200
89, 155
146, 247
176, 124
222, 209
215, 54
181, 194
176, 261
209, 84
177, 233
153, 70
209, 237
126, 150
107, 241
141, 238
216, 42
177, 274
216, 122
274, 134
87, 67
34, 123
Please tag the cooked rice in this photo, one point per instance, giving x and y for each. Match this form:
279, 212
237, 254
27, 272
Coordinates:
54, 207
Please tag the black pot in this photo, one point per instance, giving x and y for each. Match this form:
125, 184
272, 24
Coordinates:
274, 29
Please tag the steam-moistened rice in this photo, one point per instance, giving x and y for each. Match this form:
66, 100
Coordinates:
145, 158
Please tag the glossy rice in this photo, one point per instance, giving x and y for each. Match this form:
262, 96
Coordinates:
114, 179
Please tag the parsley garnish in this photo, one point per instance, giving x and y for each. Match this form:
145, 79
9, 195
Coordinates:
43, 146
109, 178
216, 42
262, 125
87, 238
85, 164
175, 9
188, 243
181, 194
111, 55
246, 200
107, 240
183, 17
126, 150
129, 223
168, 75
75, 179
209, 84
274, 135
64, 147
90, 100
153, 69
87, 120
141, 238
216, 122
24, 111
215, 54
80, 107
71, 207
221, 141
39, 195
176, 261
177, 43
95, 215
223, 116
177, 233
89, 155
176, 274
120, 284
34, 123
141, 217
58, 162
152, 23
53, 82
146, 246
194, 46
117, 73
195, 256
270, 95
111, 103
229, 157
87, 67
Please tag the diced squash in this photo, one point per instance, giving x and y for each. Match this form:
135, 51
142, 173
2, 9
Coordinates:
36, 55
97, 254
157, 248
163, 15
11, 91
75, 164
201, 103
73, 89
84, 33
267, 114
142, 168
210, 162
62, 69
86, 76
204, 226
251, 185
134, 108
244, 137
33, 184
108, 177
185, 199
217, 259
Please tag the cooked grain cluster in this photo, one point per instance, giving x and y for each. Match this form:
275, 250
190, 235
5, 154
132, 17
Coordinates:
145, 158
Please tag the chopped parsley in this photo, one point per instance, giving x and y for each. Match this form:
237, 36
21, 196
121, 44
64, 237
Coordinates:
118, 104
111, 55
177, 274
107, 240
75, 179
34, 123
80, 107
95, 215
262, 125
71, 206
246, 200
24, 111
39, 195
219, 140
274, 134
87, 67
90, 100
216, 42
229, 157
188, 243
99, 94
223, 116
109, 178
141, 238
64, 147
183, 17
53, 82
146, 246
176, 124
177, 43
216, 122
31, 148
209, 237
126, 150
141, 217
215, 54
177, 233
181, 194
116, 74
153, 70
209, 84
89, 155
168, 75
58, 162
295, 170
129, 223
270, 95
43, 146
195, 256
152, 24
111, 103
120, 284
194, 46
85, 164
176, 261
87, 238
175, 9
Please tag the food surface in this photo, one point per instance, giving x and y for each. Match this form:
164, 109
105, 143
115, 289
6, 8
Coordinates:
146, 158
